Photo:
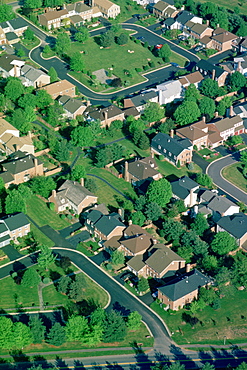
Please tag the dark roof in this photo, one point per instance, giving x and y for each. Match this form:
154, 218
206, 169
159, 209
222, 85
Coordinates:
10, 36
70, 104
4, 25
220, 204
209, 67
169, 21
131, 111
99, 113
15, 221
94, 215
5, 61
183, 285
181, 187
17, 23
19, 162
143, 168
236, 224
161, 257
174, 145
3, 227
184, 17
7, 177
107, 223
4, 238
136, 263
143, 98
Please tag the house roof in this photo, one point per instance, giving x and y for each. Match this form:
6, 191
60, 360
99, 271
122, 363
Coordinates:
143, 98
182, 187
206, 195
74, 192
200, 28
105, 4
79, 7
169, 21
6, 126
15, 221
169, 88
58, 87
184, 17
131, 111
32, 73
11, 142
236, 224
70, 104
220, 204
4, 25
221, 35
19, 162
7, 62
137, 243
10, 36
143, 168
174, 145
100, 113
17, 23
76, 18
183, 285
192, 132
3, 227
107, 223
136, 263
54, 14
209, 67
191, 78
227, 123
7, 177
161, 258
161, 5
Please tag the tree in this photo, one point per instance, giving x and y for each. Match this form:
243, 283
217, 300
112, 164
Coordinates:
136, 125
167, 126
140, 203
190, 239
223, 243
61, 150
32, 4
76, 291
21, 52
152, 211
43, 185
143, 141
243, 157
91, 185
64, 284
19, 119
45, 257
27, 100
14, 202
165, 53
237, 81
76, 62
242, 366
98, 316
43, 99
159, 192
192, 93
29, 34
103, 156
82, 136
200, 224
82, 35
107, 39
56, 335
210, 88
187, 112
53, 74
6, 12
78, 172
207, 107
6, 332
172, 230
207, 295
65, 262
134, 320
142, 284
76, 328
138, 218
209, 263
185, 253
117, 257
122, 39
21, 335
37, 329
30, 278
115, 327
13, 89
153, 112
63, 43
204, 180
223, 105
239, 269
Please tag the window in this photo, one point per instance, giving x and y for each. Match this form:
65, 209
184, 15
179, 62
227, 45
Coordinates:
159, 147
164, 150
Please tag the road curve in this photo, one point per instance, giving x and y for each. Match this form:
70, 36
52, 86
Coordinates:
214, 170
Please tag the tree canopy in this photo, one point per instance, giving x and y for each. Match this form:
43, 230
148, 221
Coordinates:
159, 192
223, 243
187, 112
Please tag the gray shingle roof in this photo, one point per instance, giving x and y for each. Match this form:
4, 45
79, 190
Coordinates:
236, 224
184, 285
70, 104
220, 204
144, 98
169, 21
3, 227
136, 263
15, 221
174, 145
161, 258
107, 223
17, 23
10, 36
181, 187
19, 162
204, 65
5, 61
31, 73
74, 192
184, 17
143, 168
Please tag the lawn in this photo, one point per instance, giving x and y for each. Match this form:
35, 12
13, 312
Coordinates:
38, 211
229, 321
47, 161
168, 169
40, 237
93, 293
30, 44
234, 175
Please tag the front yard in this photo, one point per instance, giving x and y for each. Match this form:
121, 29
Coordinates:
209, 155
234, 174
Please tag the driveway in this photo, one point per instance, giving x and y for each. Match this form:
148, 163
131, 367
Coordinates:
84, 236
11, 252
222, 150
70, 229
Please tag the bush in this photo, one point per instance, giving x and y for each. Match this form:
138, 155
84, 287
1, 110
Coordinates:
52, 206
138, 70
216, 304
62, 216
69, 217
46, 280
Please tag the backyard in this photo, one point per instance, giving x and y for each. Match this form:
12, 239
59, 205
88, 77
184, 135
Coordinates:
234, 174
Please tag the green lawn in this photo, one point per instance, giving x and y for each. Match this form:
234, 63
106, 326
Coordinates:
40, 237
30, 44
230, 321
168, 169
38, 210
234, 174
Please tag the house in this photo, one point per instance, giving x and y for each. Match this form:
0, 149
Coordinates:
10, 141
182, 290
107, 8
81, 10
194, 78
184, 17
12, 38
20, 167
170, 24
3, 39
13, 227
63, 87
156, 263
209, 70
72, 195
242, 45
18, 25
140, 170
185, 189
72, 107
196, 133
54, 18
229, 126
236, 226
241, 111
169, 91
103, 226
10, 66
220, 40
175, 150
31, 76
131, 111
105, 115
198, 31
164, 10
139, 101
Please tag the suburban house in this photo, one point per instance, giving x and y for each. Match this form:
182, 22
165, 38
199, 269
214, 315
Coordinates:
220, 40
139, 101
209, 70
12, 38
11, 31
169, 91
72, 107
175, 150
229, 126
107, 8
63, 87
72, 195
198, 31
194, 78
31, 76
20, 167
242, 45
54, 18
10, 66
170, 24
241, 111
103, 226
157, 262
79, 12
237, 64
164, 10
184, 17
17, 25
141, 169
236, 226
211, 204
105, 115
197, 133
185, 189
10, 140
182, 290
13, 227
131, 111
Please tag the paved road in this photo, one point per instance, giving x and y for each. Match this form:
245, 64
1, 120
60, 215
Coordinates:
214, 171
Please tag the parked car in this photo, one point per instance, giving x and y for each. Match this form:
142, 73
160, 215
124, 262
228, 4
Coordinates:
182, 37
175, 65
158, 46
198, 48
140, 38
129, 276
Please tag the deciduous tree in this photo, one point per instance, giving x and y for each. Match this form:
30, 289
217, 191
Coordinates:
223, 243
82, 136
13, 89
159, 192
43, 185
199, 224
153, 112
187, 112
45, 258
134, 320
30, 278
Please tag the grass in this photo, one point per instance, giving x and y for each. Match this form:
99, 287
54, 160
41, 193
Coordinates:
40, 237
81, 247
168, 169
213, 325
3, 262
234, 175
38, 211
48, 55
47, 161
231, 5
30, 44
208, 152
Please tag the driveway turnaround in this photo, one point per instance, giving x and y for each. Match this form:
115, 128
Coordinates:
214, 170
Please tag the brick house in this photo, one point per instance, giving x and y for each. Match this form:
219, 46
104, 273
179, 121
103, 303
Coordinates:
164, 10
209, 70
72, 107
194, 78
79, 9
63, 87
182, 290
139, 101
106, 115
198, 31
197, 133
13, 227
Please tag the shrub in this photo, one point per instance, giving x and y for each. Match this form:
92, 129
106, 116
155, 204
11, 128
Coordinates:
62, 216
138, 70
46, 280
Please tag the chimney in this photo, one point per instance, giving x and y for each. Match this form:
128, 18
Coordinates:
239, 66
29, 134
105, 117
152, 154
213, 74
218, 25
15, 71
53, 193
231, 113
203, 119
126, 171
88, 103
191, 197
82, 181
36, 165
172, 134
130, 222
216, 114
207, 22
188, 267
155, 241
